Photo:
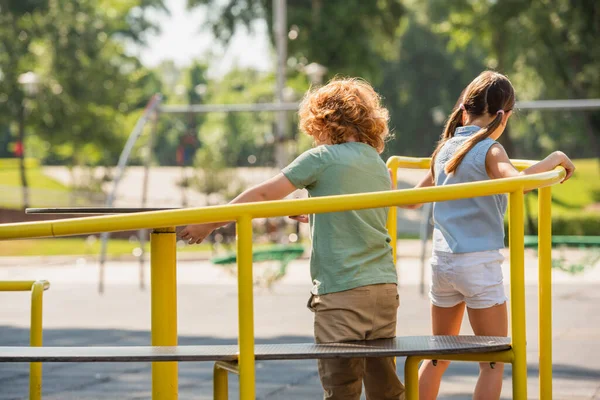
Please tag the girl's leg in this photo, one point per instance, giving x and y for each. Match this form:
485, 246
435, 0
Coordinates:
492, 321
445, 321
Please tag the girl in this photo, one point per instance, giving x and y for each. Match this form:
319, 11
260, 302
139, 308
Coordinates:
354, 295
468, 233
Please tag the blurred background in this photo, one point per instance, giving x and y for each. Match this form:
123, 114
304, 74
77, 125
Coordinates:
77, 75
184, 103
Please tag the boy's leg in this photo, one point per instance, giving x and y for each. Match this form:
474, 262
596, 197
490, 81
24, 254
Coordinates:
342, 317
381, 378
341, 378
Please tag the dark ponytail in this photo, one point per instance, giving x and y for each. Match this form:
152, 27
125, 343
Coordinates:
452, 123
490, 93
482, 134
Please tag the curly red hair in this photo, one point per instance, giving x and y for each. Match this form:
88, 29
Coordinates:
344, 109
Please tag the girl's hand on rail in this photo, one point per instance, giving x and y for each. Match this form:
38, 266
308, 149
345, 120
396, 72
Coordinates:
566, 163
300, 218
195, 234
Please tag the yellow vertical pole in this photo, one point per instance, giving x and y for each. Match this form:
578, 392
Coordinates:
411, 378
545, 290
220, 383
164, 309
245, 308
35, 339
517, 290
392, 220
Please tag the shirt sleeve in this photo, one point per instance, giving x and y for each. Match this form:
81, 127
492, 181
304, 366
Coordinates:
305, 170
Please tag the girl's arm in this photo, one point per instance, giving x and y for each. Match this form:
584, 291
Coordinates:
427, 181
498, 164
275, 188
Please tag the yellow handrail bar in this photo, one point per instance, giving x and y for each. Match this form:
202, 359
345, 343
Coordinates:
163, 219
21, 286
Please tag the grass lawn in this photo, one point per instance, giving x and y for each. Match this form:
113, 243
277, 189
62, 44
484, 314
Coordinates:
578, 192
44, 190
80, 246
35, 178
77, 246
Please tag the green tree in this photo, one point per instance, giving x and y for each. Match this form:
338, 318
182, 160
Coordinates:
87, 83
422, 85
17, 31
348, 38
549, 50
238, 136
566, 53
93, 83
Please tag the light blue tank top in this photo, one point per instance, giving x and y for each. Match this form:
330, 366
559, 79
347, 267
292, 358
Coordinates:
467, 225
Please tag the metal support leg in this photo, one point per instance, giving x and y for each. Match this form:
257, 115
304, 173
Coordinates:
220, 384
164, 310
517, 291
411, 378
220, 379
245, 308
545, 291
36, 338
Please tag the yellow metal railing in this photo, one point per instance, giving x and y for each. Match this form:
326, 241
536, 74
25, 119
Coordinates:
35, 329
243, 214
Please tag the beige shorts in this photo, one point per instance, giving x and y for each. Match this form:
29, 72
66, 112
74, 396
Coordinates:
473, 278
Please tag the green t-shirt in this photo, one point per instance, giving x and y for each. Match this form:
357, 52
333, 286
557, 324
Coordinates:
350, 248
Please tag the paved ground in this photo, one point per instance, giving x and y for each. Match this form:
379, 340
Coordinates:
75, 314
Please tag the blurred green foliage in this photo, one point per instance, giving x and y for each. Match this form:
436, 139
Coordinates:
87, 85
418, 54
421, 54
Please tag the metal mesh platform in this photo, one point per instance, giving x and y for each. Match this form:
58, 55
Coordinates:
400, 346
119, 354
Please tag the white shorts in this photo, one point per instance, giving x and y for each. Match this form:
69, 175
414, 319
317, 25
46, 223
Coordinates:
473, 278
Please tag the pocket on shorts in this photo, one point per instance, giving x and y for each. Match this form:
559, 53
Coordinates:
311, 305
393, 293
435, 278
478, 279
493, 273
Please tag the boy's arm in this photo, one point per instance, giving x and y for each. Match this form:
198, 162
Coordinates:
427, 181
275, 188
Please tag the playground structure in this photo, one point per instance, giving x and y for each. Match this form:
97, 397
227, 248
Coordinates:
242, 358
152, 112
37, 289
155, 108
277, 259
